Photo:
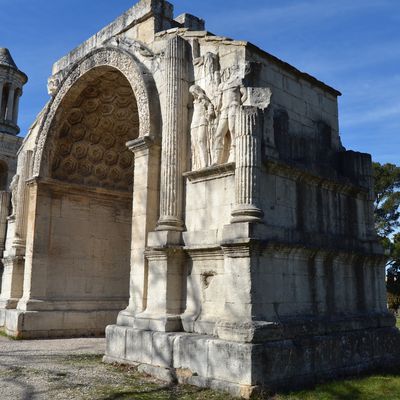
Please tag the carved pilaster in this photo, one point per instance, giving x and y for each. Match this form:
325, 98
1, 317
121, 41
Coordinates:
16, 108
144, 218
10, 104
174, 136
248, 164
22, 203
4, 211
12, 282
165, 291
1, 97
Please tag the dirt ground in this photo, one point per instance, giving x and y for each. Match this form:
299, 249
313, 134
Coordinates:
69, 369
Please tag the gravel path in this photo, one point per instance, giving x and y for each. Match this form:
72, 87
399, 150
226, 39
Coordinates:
71, 369
48, 369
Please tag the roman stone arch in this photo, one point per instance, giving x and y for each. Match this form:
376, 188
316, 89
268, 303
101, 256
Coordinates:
140, 80
79, 224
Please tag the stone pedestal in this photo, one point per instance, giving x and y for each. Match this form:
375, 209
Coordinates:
165, 296
245, 369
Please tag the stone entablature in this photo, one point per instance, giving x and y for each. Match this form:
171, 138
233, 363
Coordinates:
242, 226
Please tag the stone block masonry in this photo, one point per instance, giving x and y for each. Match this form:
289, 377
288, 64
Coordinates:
192, 193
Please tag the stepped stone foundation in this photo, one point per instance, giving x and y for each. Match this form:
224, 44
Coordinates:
192, 193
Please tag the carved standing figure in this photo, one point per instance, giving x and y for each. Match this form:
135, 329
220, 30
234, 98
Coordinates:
14, 194
203, 113
231, 95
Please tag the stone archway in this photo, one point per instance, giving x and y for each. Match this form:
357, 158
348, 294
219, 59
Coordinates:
80, 196
90, 192
140, 80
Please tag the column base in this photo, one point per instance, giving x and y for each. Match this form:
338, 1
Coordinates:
157, 322
247, 213
126, 317
170, 224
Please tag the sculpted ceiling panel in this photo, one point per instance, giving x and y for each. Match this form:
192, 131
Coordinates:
91, 137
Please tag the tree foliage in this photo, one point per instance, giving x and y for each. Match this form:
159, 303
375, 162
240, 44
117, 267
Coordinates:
387, 198
387, 220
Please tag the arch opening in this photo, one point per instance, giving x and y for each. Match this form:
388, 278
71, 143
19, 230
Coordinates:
85, 207
3, 175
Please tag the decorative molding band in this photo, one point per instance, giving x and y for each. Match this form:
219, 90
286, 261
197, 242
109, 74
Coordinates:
75, 189
296, 173
210, 173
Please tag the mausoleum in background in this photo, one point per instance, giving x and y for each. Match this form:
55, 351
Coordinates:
192, 192
12, 81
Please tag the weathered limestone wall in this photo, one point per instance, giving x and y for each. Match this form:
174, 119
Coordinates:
306, 101
81, 245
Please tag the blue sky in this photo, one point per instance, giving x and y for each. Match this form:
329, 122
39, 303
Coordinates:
353, 46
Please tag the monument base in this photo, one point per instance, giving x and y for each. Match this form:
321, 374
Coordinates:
245, 369
53, 324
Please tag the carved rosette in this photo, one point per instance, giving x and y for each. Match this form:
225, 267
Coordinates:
174, 136
90, 147
133, 71
248, 165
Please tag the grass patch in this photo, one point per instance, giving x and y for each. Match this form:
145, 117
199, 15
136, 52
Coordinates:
4, 334
370, 388
152, 391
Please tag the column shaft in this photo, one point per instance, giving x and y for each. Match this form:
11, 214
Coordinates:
22, 203
4, 212
248, 165
16, 108
173, 159
1, 99
10, 104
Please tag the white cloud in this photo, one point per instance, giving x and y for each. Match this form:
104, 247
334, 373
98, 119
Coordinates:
370, 115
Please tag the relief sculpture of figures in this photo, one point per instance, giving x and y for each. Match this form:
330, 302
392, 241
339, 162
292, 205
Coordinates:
231, 95
203, 114
14, 193
213, 132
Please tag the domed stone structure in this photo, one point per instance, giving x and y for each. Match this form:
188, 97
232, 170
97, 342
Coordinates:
11, 82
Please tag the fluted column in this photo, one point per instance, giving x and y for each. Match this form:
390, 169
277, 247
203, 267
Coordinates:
16, 107
10, 104
1, 97
248, 165
22, 203
174, 136
4, 211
